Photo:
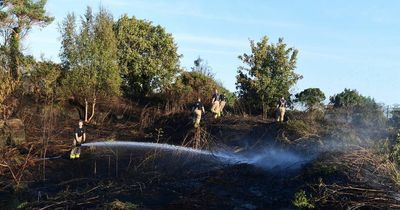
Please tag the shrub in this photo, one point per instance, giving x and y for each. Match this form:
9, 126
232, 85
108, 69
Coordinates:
396, 150
301, 201
119, 205
190, 85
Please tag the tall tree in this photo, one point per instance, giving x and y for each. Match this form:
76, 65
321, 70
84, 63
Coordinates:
268, 74
147, 56
89, 57
311, 98
17, 17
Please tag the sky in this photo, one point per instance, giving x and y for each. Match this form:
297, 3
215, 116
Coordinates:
342, 44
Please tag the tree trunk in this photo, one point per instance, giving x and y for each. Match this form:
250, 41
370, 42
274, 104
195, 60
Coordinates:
14, 53
87, 120
86, 110
93, 106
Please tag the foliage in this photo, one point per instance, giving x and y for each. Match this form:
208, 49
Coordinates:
395, 119
268, 74
202, 66
89, 57
17, 17
119, 205
370, 114
347, 98
22, 205
396, 150
6, 86
363, 110
43, 79
301, 201
191, 85
311, 98
383, 147
194, 84
147, 56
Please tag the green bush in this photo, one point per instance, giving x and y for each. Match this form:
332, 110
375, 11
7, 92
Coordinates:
312, 98
396, 150
301, 201
395, 120
43, 79
119, 205
190, 85
147, 56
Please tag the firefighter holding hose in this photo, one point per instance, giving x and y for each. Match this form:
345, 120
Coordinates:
79, 138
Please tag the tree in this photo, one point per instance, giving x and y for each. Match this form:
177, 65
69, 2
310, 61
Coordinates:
89, 58
268, 74
17, 17
347, 99
6, 86
190, 85
43, 80
147, 56
363, 110
311, 98
395, 119
202, 66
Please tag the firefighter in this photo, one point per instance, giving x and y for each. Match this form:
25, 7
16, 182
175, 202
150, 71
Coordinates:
215, 104
281, 106
79, 138
198, 110
222, 102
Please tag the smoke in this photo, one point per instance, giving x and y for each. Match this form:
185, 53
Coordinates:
270, 158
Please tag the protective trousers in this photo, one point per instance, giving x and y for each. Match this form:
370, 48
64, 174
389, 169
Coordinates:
221, 106
281, 115
198, 117
76, 150
215, 108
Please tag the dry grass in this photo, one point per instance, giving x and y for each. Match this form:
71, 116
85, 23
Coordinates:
372, 182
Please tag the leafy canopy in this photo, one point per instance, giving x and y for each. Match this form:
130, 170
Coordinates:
89, 56
311, 97
268, 73
348, 98
147, 56
365, 111
16, 19
199, 82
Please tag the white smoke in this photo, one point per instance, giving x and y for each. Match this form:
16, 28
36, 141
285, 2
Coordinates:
267, 158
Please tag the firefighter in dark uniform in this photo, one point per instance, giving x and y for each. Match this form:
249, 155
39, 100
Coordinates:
79, 138
198, 110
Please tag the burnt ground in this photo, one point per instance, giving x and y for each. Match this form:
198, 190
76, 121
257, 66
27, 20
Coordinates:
163, 181
154, 180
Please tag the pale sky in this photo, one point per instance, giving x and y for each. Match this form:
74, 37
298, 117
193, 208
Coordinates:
342, 44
